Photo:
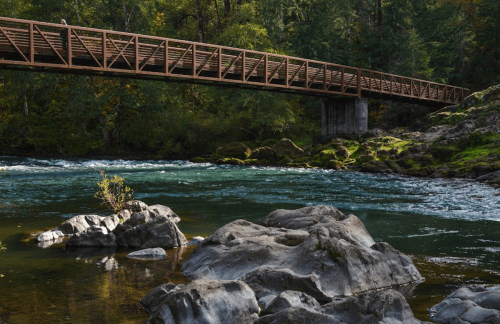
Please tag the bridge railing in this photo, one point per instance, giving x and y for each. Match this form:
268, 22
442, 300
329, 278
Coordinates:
88, 50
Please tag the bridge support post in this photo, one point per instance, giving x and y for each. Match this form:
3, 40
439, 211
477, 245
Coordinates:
343, 118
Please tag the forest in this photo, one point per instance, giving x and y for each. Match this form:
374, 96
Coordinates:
43, 114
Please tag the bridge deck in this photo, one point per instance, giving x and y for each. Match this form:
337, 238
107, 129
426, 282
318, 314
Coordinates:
39, 45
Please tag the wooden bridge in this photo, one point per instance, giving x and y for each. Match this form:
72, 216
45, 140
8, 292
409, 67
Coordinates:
79, 50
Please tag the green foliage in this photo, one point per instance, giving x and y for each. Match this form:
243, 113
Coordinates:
451, 41
113, 193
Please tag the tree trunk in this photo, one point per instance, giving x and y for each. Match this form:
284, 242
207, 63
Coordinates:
199, 18
227, 8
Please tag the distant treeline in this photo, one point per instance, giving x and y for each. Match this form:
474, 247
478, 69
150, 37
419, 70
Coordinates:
451, 41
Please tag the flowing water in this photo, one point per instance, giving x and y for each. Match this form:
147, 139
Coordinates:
450, 227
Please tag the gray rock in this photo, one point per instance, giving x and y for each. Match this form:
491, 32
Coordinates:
461, 129
148, 254
290, 298
136, 206
486, 298
47, 236
203, 302
164, 211
298, 315
157, 232
94, 236
431, 134
320, 251
110, 222
387, 306
157, 296
76, 224
468, 305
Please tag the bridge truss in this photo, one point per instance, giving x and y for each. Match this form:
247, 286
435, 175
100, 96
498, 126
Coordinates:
79, 50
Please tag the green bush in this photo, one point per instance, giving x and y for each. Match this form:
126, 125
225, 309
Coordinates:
113, 193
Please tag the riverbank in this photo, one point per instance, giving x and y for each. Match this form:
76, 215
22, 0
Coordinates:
452, 225
460, 141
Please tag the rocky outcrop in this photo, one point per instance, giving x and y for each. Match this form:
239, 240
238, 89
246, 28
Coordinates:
138, 226
316, 250
468, 305
203, 302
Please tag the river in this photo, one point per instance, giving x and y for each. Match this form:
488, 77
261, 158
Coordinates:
449, 227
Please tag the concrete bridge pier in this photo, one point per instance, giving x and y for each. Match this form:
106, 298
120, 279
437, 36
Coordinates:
343, 118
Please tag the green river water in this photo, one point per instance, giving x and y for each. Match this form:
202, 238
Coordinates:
449, 227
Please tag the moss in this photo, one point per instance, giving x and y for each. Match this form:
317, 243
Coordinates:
232, 161
319, 246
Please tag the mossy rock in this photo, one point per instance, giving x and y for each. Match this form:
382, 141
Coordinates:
327, 155
375, 167
198, 159
263, 153
285, 160
232, 161
286, 147
334, 164
234, 150
364, 158
342, 153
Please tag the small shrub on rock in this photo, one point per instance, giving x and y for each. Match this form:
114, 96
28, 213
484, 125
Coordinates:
113, 192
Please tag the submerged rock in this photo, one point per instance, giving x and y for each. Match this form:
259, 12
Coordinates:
203, 302
468, 305
148, 254
317, 250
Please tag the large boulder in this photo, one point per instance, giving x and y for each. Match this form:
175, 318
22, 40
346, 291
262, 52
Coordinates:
156, 232
202, 302
387, 306
264, 153
286, 147
234, 150
317, 250
468, 305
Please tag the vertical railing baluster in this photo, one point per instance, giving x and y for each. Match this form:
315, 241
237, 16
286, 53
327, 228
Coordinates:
166, 58
136, 50
266, 67
325, 67
32, 45
243, 67
342, 80
359, 84
219, 62
104, 50
193, 52
306, 78
287, 66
